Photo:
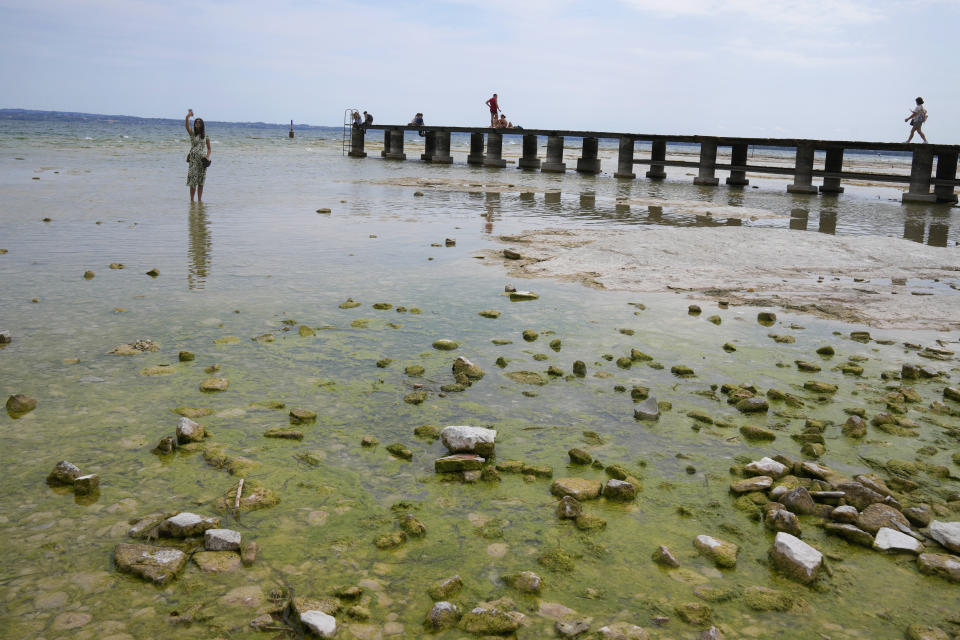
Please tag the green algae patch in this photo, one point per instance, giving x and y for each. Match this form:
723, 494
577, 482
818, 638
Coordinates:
193, 412
253, 497
227, 340
526, 377
158, 370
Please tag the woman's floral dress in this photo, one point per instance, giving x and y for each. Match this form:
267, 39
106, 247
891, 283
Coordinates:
196, 173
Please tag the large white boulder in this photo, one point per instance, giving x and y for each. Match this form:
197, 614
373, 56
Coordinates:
461, 438
947, 534
766, 467
319, 623
795, 558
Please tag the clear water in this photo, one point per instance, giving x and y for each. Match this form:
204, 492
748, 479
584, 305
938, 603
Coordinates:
257, 254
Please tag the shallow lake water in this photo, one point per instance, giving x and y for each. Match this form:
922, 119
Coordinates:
257, 259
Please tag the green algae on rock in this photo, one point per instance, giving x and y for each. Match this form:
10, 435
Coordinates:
526, 377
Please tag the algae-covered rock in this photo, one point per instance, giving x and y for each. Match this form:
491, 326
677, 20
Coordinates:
795, 558
349, 303
214, 384
579, 456
720, 552
411, 526
20, 404
390, 540
518, 296
400, 451
579, 488
530, 335
620, 490
444, 344
382, 306
416, 397
414, 370
524, 581
283, 434
682, 371
302, 416
854, 427
63, 473
752, 432
489, 621
140, 346
464, 370
526, 377
490, 313
458, 462
622, 631
253, 497
579, 368
189, 431
752, 405
193, 412
557, 559
819, 387
649, 410
445, 588
589, 522
443, 615
217, 561
940, 565
694, 613
568, 508
156, 564
427, 431
766, 599
926, 632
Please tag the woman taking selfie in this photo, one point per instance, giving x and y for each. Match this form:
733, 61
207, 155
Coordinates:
198, 158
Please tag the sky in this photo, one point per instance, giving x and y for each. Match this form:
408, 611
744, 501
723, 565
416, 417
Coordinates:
828, 69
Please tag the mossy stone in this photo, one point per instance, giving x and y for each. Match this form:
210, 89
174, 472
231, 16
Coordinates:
417, 397
766, 599
530, 335
681, 371
579, 368
526, 377
579, 456
556, 344
490, 313
752, 432
445, 345
400, 451
349, 303
427, 431
414, 370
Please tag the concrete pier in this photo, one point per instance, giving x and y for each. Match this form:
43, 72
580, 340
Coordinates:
356, 143
803, 170
476, 149
441, 148
833, 164
658, 154
494, 157
625, 159
530, 150
923, 186
554, 162
738, 158
708, 164
589, 162
920, 171
946, 176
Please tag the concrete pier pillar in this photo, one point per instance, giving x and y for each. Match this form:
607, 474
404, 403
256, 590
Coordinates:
441, 148
476, 149
946, 170
588, 161
494, 157
529, 159
386, 143
833, 163
738, 158
429, 146
356, 143
708, 164
554, 162
920, 170
625, 160
658, 151
396, 145
803, 170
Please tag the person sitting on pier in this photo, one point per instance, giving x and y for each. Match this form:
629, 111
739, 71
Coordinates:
367, 120
494, 109
417, 121
356, 119
918, 115
503, 123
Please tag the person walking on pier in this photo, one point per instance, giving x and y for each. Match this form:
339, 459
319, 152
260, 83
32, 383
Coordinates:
197, 160
916, 119
494, 109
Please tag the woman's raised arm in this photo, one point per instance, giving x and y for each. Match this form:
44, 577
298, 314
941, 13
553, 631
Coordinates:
186, 121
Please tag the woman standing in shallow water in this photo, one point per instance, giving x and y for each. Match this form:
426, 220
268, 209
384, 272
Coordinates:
196, 158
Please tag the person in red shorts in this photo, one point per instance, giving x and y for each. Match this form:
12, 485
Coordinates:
494, 109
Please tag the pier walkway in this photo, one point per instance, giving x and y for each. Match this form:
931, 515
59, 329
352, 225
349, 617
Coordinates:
486, 149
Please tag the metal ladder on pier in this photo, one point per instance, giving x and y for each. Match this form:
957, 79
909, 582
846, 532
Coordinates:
347, 140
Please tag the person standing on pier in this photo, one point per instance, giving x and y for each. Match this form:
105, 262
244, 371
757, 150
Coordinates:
916, 119
494, 109
197, 160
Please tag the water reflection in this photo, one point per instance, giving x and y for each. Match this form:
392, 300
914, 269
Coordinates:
828, 217
799, 218
198, 247
588, 200
915, 225
491, 210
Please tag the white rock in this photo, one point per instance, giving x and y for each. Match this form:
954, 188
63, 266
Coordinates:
766, 467
464, 438
221, 540
795, 558
188, 431
947, 534
778, 491
888, 539
319, 623
187, 524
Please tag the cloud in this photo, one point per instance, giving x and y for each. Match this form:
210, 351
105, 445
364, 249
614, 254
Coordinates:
784, 13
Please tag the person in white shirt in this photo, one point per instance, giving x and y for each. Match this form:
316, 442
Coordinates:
916, 119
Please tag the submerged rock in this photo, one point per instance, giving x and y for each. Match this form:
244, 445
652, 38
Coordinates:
940, 565
722, 553
664, 557
526, 377
489, 619
766, 599
186, 524
86, 485
400, 450
217, 561
156, 564
464, 371
445, 345
524, 582
568, 508
443, 615
578, 488
214, 384
445, 588
648, 410
20, 404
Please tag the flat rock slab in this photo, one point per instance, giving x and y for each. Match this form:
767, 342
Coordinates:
214, 384
217, 561
757, 483
941, 565
187, 524
319, 623
879, 515
221, 540
947, 534
156, 564
795, 558
850, 533
458, 462
579, 488
893, 541
766, 467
